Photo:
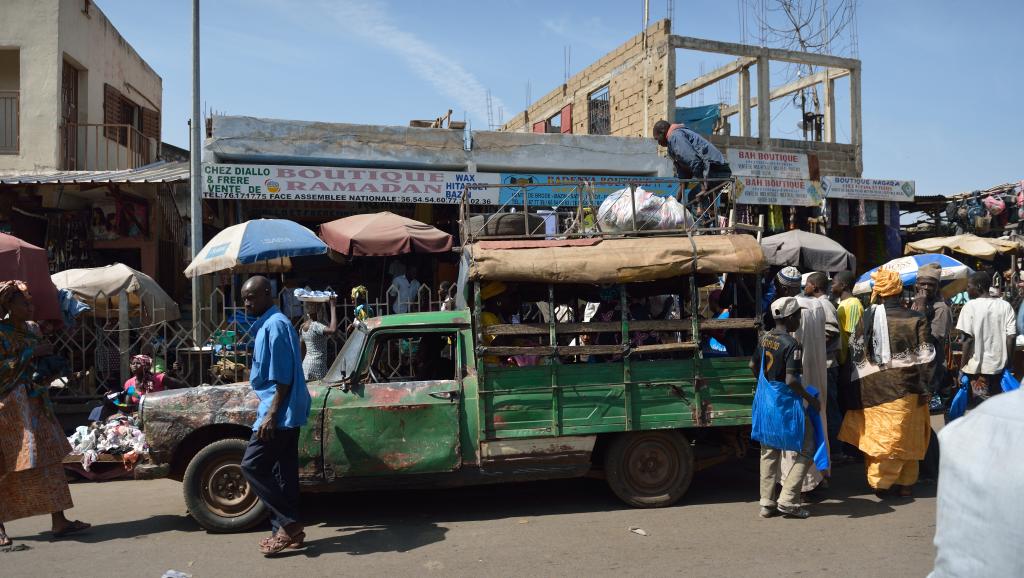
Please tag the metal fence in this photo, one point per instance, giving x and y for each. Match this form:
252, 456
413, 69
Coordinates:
99, 346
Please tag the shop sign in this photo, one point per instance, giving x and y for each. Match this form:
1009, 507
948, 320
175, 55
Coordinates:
765, 191
868, 189
363, 185
778, 165
567, 190
337, 184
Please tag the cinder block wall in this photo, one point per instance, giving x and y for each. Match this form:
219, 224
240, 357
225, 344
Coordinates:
623, 71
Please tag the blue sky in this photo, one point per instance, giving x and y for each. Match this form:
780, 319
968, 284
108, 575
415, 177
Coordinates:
941, 79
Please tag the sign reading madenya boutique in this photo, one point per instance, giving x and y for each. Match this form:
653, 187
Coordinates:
868, 189
302, 183
763, 191
776, 165
567, 190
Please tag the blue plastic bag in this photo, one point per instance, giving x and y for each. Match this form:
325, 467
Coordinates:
778, 415
958, 407
821, 457
1009, 383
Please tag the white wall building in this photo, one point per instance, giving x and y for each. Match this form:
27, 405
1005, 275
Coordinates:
74, 95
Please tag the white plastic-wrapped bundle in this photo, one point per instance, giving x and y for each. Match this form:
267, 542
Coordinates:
652, 212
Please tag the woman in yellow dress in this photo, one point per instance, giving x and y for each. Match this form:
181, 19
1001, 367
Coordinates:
889, 421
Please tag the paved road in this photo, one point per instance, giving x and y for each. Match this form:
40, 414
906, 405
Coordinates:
572, 527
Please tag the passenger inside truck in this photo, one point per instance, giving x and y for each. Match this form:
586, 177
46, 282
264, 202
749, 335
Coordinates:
402, 357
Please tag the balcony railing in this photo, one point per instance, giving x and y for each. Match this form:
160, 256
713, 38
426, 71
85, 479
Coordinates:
9, 111
104, 147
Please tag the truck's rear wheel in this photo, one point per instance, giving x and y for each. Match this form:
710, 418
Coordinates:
216, 493
650, 469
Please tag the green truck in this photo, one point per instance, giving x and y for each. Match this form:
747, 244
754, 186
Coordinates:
454, 398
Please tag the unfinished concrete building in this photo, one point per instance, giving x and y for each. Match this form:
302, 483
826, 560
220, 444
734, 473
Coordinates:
632, 87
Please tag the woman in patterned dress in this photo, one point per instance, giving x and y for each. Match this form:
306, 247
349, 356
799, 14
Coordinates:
315, 362
32, 444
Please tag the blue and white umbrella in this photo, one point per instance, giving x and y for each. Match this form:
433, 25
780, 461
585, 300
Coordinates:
260, 244
953, 280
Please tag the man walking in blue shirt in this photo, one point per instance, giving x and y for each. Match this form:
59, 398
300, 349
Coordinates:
271, 462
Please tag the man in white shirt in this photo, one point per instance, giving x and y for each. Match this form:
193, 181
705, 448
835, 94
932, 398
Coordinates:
404, 294
988, 328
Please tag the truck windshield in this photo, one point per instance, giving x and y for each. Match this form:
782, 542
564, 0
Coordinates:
348, 357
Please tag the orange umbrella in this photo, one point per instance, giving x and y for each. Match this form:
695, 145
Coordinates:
383, 235
28, 263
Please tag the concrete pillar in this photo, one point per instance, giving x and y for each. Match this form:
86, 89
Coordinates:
764, 105
855, 124
830, 108
744, 101
670, 82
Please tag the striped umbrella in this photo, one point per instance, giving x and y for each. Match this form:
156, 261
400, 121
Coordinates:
260, 244
953, 280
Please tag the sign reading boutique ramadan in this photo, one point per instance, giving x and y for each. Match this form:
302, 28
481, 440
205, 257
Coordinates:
777, 165
868, 189
361, 185
302, 183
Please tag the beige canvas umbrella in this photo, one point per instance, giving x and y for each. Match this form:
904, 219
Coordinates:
980, 247
101, 288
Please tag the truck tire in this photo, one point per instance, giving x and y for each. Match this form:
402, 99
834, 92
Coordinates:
217, 495
649, 469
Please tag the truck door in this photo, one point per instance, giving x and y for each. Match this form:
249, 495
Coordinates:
401, 415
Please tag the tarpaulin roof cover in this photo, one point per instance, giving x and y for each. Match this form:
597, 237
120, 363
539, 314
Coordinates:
383, 235
700, 119
628, 260
25, 262
807, 252
100, 288
979, 247
252, 244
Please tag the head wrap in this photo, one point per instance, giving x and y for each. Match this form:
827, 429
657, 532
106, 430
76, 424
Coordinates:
887, 284
492, 289
789, 277
8, 291
145, 361
930, 271
360, 291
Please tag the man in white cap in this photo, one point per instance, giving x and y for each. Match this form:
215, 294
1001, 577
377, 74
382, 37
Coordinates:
814, 366
778, 355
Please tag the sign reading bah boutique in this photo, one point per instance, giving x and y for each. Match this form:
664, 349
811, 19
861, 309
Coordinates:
361, 185
777, 165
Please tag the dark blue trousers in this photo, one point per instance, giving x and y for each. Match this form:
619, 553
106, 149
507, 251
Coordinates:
272, 469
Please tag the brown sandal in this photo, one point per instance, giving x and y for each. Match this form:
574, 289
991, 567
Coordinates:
278, 542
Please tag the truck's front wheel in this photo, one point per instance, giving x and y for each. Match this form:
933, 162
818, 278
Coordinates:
650, 469
216, 493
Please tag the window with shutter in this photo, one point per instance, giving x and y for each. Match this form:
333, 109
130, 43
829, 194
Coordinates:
151, 124
111, 111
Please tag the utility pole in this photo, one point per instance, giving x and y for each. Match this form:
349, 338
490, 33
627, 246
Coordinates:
195, 179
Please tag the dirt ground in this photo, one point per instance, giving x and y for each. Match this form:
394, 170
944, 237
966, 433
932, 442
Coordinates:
571, 527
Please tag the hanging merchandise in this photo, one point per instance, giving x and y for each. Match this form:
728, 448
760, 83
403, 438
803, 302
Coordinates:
842, 212
67, 241
775, 221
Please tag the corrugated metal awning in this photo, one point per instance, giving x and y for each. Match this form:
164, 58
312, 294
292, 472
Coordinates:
162, 172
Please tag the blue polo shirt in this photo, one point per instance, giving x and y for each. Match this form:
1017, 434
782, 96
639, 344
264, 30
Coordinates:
276, 359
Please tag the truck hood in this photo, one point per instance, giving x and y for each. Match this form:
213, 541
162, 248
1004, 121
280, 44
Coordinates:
169, 416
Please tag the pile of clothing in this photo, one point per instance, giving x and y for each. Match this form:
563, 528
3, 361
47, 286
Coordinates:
652, 212
118, 436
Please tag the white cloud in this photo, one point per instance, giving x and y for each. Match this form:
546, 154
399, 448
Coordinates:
371, 24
